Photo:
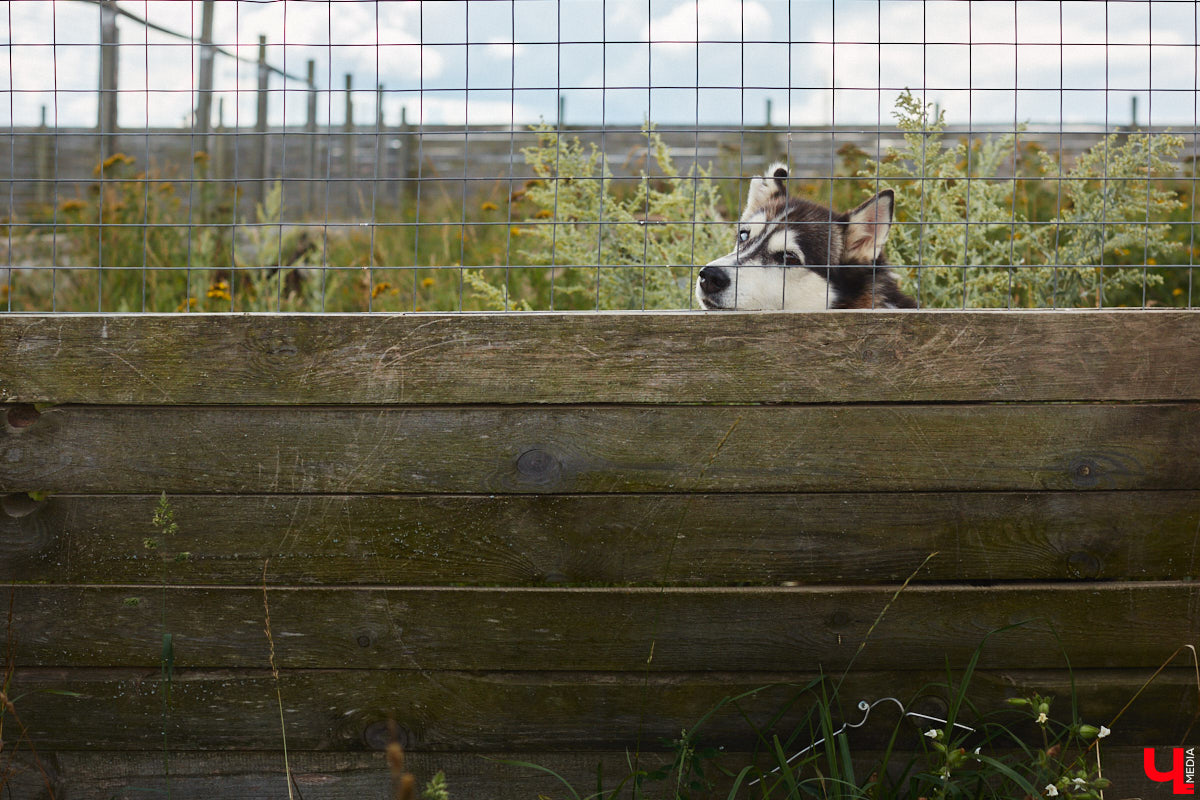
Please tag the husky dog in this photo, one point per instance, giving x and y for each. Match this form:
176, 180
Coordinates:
795, 255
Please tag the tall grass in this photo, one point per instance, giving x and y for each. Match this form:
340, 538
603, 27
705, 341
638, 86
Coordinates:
994, 221
818, 746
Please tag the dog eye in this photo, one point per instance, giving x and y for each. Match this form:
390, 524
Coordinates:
743, 235
792, 259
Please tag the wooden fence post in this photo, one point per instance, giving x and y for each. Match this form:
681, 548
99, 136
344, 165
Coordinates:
770, 140
409, 143
204, 84
260, 122
109, 46
310, 131
348, 142
220, 160
41, 160
383, 154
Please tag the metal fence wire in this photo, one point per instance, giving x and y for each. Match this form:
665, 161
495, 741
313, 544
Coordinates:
338, 155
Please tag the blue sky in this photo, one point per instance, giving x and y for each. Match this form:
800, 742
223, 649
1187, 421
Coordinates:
715, 62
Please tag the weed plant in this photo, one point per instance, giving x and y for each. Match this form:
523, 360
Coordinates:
1031, 747
993, 222
1044, 235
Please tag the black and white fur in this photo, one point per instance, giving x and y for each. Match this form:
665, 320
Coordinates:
795, 255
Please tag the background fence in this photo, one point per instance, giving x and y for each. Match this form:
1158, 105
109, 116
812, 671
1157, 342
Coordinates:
382, 155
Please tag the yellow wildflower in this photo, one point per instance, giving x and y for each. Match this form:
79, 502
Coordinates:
1150, 262
1177, 291
545, 213
515, 231
427, 283
186, 305
380, 288
219, 291
489, 206
111, 161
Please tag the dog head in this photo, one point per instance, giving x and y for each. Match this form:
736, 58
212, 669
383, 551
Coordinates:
793, 254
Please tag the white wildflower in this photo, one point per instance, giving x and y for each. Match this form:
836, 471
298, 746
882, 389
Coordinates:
1103, 732
1051, 790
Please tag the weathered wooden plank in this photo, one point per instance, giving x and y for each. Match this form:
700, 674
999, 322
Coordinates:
607, 449
317, 776
348, 710
660, 539
336, 776
614, 358
798, 628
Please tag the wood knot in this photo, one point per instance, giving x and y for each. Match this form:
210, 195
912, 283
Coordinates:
378, 735
1085, 473
839, 619
872, 354
274, 347
19, 504
538, 467
22, 415
1084, 565
1104, 469
931, 705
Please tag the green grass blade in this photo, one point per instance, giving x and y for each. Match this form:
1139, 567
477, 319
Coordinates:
540, 768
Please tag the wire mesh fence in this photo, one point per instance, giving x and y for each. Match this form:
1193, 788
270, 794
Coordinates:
328, 155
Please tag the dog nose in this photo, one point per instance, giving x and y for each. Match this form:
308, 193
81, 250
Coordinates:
713, 280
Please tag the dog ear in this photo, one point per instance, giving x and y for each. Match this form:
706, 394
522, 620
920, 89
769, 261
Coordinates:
867, 229
765, 189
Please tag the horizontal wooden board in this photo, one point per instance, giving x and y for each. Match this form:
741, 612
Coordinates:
348, 710
119, 775
801, 628
603, 358
531, 449
661, 539
252, 775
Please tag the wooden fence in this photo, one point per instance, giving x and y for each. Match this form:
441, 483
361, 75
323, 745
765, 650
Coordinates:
564, 538
340, 175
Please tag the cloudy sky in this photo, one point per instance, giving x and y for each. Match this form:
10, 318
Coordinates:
715, 62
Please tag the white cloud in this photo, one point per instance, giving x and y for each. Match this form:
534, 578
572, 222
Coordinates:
719, 20
504, 48
937, 45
